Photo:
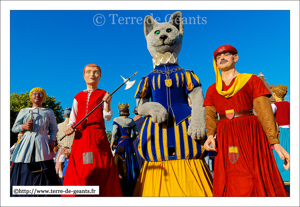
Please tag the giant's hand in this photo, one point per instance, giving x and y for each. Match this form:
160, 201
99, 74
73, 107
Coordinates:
107, 98
60, 174
210, 143
158, 113
197, 125
283, 154
28, 125
196, 130
69, 130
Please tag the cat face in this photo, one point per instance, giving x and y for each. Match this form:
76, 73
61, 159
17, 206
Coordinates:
164, 37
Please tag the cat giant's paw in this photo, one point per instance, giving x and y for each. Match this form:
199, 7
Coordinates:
158, 113
196, 129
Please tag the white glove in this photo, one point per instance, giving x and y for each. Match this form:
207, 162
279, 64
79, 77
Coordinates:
60, 174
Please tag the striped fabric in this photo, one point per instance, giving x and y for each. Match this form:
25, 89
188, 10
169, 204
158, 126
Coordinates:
159, 142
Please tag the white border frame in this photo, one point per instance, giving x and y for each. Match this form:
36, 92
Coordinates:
6, 6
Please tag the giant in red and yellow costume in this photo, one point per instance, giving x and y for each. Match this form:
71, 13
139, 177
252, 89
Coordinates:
244, 163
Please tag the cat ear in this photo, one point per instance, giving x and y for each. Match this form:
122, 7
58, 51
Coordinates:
149, 22
176, 20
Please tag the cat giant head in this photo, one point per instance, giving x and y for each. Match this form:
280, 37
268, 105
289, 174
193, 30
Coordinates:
164, 37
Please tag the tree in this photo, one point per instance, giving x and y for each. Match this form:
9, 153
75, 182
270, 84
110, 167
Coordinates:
17, 102
108, 134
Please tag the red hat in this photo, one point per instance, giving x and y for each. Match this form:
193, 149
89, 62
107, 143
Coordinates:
225, 48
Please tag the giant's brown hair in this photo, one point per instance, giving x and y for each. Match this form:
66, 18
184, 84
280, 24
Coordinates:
280, 90
92, 65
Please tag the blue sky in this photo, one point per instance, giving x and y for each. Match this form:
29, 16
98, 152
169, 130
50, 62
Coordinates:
49, 49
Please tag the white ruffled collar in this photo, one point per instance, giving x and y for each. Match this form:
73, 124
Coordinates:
36, 108
165, 59
90, 90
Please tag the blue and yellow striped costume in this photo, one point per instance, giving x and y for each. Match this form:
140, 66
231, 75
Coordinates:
170, 168
156, 140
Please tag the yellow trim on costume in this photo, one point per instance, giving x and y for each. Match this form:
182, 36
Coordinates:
202, 149
229, 111
137, 90
36, 171
165, 143
158, 81
177, 81
144, 89
149, 149
196, 77
185, 139
153, 82
140, 142
194, 148
233, 150
177, 138
157, 146
239, 82
182, 78
189, 82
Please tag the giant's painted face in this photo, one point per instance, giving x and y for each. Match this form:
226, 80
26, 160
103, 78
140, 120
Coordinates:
37, 97
164, 37
92, 75
226, 61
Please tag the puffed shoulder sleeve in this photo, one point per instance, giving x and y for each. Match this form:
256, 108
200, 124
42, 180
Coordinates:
191, 81
53, 129
143, 90
259, 88
17, 127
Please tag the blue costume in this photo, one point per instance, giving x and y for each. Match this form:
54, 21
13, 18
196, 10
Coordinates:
166, 139
124, 129
139, 123
171, 167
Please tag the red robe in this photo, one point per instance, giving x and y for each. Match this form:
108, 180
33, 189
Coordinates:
282, 115
91, 161
247, 168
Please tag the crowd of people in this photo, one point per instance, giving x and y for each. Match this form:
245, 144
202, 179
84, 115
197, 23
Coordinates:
249, 154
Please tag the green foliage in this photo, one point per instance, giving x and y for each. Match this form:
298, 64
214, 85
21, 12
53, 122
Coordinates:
17, 102
108, 134
51, 103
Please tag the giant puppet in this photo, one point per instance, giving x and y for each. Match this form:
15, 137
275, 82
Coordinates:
281, 111
91, 161
169, 138
124, 132
33, 159
244, 163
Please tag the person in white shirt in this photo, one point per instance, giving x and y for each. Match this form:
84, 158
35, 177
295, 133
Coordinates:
63, 162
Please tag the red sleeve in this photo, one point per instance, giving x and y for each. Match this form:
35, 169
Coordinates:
259, 88
208, 100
